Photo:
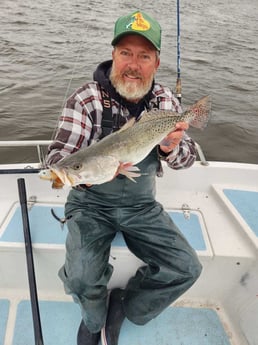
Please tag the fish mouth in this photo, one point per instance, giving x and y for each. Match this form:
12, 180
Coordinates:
47, 174
71, 180
65, 177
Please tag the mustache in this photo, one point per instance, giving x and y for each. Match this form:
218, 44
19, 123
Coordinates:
133, 73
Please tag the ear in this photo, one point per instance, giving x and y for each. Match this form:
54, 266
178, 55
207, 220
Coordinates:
157, 64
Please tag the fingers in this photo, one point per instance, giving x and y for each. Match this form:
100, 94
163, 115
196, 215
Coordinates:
168, 145
182, 126
174, 138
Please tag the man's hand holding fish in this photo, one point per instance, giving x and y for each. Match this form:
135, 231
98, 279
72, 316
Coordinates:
173, 138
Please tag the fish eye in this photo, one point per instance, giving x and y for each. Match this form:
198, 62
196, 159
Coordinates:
77, 166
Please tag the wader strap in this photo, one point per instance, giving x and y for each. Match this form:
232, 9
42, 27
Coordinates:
107, 115
108, 124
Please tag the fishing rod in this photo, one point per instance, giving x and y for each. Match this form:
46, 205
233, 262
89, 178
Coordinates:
178, 81
30, 264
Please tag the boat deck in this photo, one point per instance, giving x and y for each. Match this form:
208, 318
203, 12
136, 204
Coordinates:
60, 320
220, 222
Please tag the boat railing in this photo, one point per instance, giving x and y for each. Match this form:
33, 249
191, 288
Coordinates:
201, 155
39, 144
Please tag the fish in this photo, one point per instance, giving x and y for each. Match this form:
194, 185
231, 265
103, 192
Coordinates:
119, 152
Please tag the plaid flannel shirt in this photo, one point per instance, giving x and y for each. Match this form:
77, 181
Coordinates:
80, 124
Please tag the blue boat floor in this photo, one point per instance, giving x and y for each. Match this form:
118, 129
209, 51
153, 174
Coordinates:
4, 311
60, 320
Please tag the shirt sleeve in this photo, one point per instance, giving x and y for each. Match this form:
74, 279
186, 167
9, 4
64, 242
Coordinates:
74, 130
184, 154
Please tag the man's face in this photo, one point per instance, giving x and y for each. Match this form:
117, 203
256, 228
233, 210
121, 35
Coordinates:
135, 62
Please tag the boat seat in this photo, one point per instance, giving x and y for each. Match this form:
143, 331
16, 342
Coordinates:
46, 230
243, 205
48, 239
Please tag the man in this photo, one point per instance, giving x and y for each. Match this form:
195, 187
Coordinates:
123, 88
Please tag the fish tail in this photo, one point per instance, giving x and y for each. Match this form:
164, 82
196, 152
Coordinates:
200, 112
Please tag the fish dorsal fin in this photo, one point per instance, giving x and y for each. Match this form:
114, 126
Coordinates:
147, 116
128, 124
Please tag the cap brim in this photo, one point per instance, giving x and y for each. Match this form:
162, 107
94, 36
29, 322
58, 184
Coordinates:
123, 34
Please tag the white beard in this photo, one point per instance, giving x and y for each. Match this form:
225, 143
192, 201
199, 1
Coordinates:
130, 90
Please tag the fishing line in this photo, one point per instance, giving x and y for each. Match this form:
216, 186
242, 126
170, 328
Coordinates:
75, 65
74, 69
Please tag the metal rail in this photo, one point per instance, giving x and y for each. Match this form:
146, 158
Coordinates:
201, 155
10, 143
39, 143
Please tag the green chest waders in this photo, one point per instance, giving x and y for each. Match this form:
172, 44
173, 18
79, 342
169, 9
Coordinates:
95, 215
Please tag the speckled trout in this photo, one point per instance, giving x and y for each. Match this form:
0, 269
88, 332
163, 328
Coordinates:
101, 161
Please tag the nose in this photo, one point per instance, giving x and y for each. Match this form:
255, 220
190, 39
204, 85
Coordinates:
134, 62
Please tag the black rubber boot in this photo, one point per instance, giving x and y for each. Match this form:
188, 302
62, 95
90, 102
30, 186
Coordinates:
85, 337
115, 318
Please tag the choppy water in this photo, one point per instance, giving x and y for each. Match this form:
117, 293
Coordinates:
47, 49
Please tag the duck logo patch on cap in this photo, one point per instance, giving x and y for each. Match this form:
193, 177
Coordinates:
138, 23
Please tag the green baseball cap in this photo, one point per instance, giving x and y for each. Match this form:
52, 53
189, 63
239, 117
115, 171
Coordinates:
138, 23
